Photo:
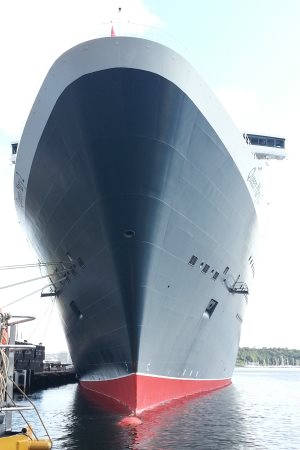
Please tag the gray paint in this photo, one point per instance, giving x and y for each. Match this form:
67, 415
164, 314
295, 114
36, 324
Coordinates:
126, 149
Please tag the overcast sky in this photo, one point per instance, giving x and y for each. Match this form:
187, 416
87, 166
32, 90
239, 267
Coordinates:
247, 51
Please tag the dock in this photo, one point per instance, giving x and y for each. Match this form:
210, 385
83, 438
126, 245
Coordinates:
33, 371
51, 378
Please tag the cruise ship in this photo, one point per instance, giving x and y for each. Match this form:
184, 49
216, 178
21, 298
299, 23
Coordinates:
141, 198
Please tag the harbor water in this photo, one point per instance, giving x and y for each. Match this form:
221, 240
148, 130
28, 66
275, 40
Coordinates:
260, 410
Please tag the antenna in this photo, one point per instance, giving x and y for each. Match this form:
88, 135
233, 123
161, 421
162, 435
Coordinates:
120, 10
112, 31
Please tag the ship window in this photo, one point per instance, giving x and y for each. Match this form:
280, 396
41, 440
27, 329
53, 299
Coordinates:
205, 268
216, 274
211, 307
226, 270
193, 260
280, 143
266, 141
14, 148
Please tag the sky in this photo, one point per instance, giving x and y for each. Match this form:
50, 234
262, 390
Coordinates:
248, 53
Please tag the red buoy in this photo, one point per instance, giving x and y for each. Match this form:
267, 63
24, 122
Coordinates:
130, 421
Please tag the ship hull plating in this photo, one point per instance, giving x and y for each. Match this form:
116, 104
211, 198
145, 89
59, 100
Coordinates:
128, 182
136, 392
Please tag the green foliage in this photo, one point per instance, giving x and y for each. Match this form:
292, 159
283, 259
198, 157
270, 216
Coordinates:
268, 356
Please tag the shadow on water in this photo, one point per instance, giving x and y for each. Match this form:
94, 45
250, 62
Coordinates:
260, 410
210, 421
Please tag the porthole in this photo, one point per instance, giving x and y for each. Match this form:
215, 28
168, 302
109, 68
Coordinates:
128, 234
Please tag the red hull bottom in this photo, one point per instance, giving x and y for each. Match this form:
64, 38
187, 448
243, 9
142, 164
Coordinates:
137, 392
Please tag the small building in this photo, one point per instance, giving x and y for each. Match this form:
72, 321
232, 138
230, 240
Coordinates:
31, 359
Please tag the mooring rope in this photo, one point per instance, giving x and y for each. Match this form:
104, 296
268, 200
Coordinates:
40, 320
32, 265
32, 279
22, 298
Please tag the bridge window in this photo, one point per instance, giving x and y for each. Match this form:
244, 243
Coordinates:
262, 141
268, 141
280, 143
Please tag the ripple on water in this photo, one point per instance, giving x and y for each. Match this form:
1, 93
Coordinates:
260, 410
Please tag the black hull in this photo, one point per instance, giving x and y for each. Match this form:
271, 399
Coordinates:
130, 177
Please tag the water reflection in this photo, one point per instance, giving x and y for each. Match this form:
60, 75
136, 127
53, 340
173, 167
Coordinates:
259, 411
210, 421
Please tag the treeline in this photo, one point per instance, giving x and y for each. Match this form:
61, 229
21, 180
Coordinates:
268, 357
